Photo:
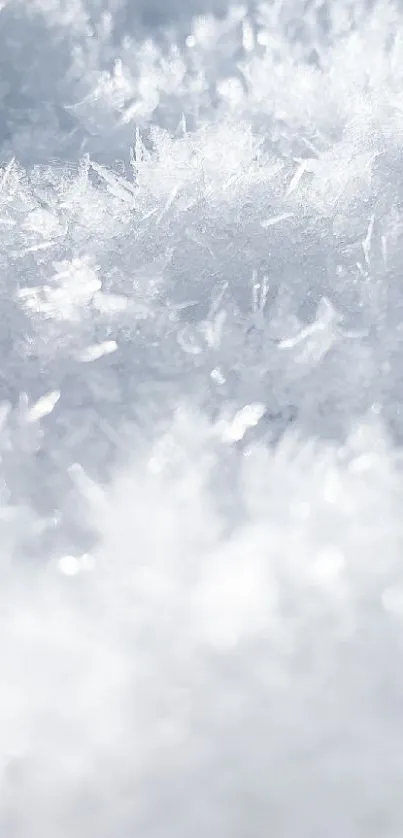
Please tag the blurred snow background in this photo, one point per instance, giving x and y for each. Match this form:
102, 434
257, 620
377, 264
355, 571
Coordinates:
201, 387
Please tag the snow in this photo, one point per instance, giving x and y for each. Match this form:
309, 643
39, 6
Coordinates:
201, 599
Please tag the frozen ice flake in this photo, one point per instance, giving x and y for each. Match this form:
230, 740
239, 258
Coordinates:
89, 489
33, 248
217, 376
190, 341
366, 245
168, 204
232, 90
116, 304
276, 219
93, 353
6, 174
118, 186
296, 178
248, 36
212, 328
71, 288
235, 429
314, 341
43, 407
260, 291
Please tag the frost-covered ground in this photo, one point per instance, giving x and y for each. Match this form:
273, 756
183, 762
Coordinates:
201, 387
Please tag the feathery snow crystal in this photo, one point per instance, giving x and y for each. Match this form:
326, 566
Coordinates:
201, 421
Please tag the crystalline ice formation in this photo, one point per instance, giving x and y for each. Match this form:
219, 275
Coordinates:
201, 333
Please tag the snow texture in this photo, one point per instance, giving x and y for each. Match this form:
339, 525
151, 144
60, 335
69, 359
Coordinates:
201, 389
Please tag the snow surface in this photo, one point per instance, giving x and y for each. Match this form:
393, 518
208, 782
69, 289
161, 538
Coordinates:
201, 387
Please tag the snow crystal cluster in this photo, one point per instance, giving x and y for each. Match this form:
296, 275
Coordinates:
201, 419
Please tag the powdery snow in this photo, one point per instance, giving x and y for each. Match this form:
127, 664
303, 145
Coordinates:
201, 488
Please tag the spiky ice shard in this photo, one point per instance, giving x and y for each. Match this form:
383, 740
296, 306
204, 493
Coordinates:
201, 306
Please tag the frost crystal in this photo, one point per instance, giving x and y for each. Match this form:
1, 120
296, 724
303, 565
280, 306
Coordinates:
201, 239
